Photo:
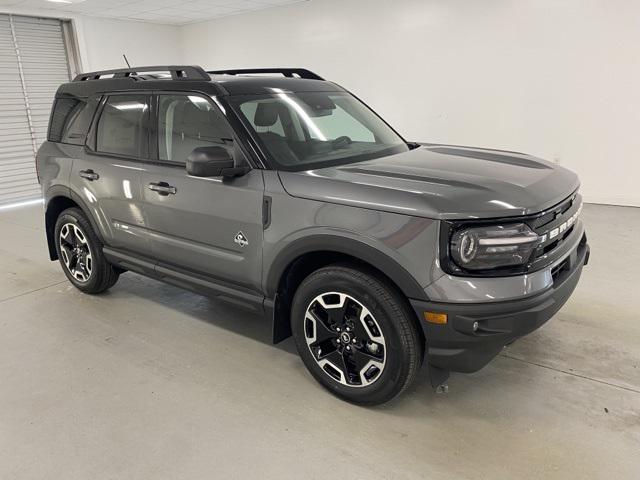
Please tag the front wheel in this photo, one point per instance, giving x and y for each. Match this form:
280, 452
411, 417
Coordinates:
355, 334
80, 253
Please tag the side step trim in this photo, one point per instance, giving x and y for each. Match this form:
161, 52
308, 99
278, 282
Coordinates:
195, 283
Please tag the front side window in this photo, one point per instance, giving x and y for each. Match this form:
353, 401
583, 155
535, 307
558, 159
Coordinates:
186, 122
122, 128
306, 130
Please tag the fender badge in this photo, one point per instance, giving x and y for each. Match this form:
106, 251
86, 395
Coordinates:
240, 239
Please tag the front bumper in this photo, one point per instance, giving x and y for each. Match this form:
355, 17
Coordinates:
455, 346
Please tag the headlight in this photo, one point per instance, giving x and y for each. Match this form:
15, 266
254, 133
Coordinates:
481, 248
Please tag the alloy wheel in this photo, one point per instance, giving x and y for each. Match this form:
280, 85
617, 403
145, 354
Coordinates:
345, 339
75, 252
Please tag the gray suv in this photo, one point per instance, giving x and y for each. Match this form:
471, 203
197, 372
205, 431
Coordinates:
284, 193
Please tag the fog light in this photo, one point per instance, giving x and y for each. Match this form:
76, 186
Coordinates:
433, 317
475, 326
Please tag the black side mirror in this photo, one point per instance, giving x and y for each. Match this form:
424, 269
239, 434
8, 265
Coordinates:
212, 162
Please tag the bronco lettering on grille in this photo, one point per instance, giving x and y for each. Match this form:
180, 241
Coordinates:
561, 228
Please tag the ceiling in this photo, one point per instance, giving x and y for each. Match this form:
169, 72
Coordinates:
174, 12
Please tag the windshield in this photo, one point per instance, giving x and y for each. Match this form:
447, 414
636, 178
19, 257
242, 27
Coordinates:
306, 130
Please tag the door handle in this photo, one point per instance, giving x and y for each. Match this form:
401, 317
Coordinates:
89, 175
163, 188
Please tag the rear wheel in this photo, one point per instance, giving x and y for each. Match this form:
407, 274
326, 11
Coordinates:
80, 253
355, 334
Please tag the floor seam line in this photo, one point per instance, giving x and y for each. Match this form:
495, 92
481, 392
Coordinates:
31, 291
629, 389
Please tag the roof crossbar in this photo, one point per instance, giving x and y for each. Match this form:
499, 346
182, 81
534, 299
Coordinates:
287, 72
178, 72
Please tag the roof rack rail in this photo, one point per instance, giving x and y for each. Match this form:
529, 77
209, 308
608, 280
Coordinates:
178, 72
287, 72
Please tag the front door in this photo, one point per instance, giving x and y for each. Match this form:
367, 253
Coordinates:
208, 226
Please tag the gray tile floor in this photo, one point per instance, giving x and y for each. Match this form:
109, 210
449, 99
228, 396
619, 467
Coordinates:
148, 381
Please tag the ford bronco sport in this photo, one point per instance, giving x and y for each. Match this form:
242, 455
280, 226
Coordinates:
283, 192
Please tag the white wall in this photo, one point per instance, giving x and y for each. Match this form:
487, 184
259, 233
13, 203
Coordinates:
102, 41
558, 79
106, 40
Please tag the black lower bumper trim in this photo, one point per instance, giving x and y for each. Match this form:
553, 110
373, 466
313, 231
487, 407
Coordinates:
456, 346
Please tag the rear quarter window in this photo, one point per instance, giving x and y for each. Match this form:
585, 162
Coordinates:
71, 119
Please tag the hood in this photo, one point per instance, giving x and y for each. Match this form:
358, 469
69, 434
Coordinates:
440, 181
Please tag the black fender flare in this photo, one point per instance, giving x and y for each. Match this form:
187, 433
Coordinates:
275, 306
59, 191
87, 211
348, 246
55, 191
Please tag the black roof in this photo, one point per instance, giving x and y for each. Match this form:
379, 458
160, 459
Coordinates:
194, 78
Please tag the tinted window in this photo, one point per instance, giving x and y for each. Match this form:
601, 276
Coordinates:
71, 119
122, 128
249, 110
189, 121
78, 121
305, 130
340, 123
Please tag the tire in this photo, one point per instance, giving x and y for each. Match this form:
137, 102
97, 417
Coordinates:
339, 305
80, 253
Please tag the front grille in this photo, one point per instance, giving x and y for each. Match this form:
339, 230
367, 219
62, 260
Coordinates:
544, 249
548, 217
555, 226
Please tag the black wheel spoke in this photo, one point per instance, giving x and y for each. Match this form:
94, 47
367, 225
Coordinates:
73, 263
73, 238
337, 314
342, 344
338, 361
67, 241
360, 331
324, 349
322, 330
361, 358
69, 238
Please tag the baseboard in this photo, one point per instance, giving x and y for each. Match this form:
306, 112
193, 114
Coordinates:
616, 200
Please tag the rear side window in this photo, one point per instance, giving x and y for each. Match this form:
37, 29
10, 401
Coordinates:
186, 122
123, 126
71, 119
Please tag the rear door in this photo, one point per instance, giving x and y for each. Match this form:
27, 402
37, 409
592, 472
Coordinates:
106, 174
208, 226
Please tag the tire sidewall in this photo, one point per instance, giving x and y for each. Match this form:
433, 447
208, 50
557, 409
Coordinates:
71, 216
339, 280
